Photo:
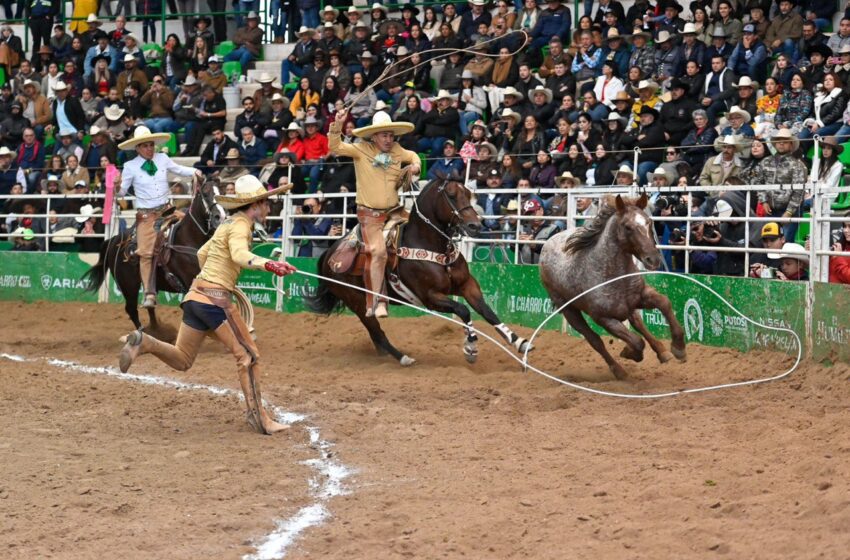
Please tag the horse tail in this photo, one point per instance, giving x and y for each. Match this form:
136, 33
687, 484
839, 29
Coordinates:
97, 273
323, 302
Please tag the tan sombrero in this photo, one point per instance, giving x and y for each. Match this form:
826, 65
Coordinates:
566, 180
143, 134
785, 134
249, 190
382, 122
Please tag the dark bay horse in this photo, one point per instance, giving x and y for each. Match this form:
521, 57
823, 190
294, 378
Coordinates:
443, 208
576, 261
193, 230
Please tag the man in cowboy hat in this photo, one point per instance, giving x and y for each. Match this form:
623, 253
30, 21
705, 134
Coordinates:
692, 48
37, 108
301, 55
624, 176
739, 126
475, 16
719, 47
814, 72
782, 168
263, 95
378, 166
147, 173
671, 22
647, 97
643, 54
749, 56
649, 137
441, 123
669, 57
676, 113
249, 40
208, 307
101, 48
131, 73
723, 166
67, 111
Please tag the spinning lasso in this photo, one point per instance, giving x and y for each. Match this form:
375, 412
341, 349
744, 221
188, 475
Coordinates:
524, 360
446, 50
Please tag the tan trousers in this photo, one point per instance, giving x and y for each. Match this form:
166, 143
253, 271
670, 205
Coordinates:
372, 228
145, 240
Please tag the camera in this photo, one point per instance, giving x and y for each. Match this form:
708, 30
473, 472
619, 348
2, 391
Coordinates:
306, 209
676, 205
768, 272
709, 231
677, 236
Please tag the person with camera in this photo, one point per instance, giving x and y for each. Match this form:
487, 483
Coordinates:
318, 226
717, 233
839, 266
761, 264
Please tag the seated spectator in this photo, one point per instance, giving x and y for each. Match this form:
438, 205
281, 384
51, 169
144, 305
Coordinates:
100, 147
795, 106
527, 143
112, 122
67, 145
576, 163
319, 226
739, 124
839, 266
447, 165
784, 30
315, 151
649, 136
472, 101
199, 54
277, 121
364, 108
214, 156
510, 170
481, 167
541, 107
441, 124
253, 150
8, 171
726, 164
101, 79
492, 203
213, 76
130, 74
604, 165
13, 125
89, 224
757, 152
158, 101
73, 173
23, 240
829, 105
30, 160
647, 97
251, 118
211, 112
130, 46
536, 229
249, 41
698, 145
304, 97
233, 168
302, 54
543, 172
286, 166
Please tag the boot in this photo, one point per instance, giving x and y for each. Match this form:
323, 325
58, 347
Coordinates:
181, 356
149, 302
249, 372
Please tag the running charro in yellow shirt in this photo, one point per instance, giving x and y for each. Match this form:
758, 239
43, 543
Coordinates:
224, 256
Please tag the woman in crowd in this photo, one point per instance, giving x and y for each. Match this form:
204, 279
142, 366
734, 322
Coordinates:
173, 67
783, 71
73, 173
331, 93
584, 135
430, 24
526, 19
293, 142
795, 106
472, 101
543, 173
413, 114
78, 53
48, 81
831, 170
829, 105
529, 140
560, 143
505, 10
303, 98
575, 162
612, 137
604, 165
766, 107
477, 133
698, 145
101, 79
702, 25
363, 110
199, 56
511, 172
757, 152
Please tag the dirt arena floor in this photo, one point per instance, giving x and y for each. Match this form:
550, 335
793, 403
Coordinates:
449, 460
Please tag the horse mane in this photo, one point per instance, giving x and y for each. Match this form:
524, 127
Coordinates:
586, 237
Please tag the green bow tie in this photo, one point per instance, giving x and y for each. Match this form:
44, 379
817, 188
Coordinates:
150, 167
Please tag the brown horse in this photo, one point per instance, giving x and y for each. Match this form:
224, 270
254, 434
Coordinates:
175, 276
443, 208
574, 262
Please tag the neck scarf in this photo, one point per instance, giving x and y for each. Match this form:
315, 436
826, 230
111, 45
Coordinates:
149, 167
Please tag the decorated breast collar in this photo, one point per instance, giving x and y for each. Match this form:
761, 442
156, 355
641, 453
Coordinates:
442, 259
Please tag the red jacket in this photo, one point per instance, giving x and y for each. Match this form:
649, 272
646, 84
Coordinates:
839, 270
316, 147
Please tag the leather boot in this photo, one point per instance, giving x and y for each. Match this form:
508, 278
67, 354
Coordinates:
181, 356
249, 373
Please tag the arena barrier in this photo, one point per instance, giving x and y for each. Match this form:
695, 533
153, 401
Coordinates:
816, 312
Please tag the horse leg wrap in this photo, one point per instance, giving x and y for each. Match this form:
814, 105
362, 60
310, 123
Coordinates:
516, 341
470, 345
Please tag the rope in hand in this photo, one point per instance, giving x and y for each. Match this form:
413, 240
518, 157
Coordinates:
524, 359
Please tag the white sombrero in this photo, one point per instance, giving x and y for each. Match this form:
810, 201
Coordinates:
382, 122
249, 190
143, 134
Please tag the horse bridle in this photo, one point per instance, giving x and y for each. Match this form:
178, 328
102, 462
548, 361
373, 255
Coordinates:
208, 208
454, 223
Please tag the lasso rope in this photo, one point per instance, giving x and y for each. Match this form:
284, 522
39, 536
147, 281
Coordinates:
446, 50
524, 360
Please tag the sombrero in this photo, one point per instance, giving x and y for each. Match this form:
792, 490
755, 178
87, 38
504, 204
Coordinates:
566, 178
382, 122
249, 190
785, 134
143, 134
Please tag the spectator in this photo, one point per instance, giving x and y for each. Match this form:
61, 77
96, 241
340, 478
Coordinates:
301, 56
174, 61
829, 105
101, 146
447, 165
74, 173
761, 264
440, 122
23, 239
725, 165
213, 76
757, 152
130, 74
8, 172
813, 72
253, 150
472, 101
725, 19
304, 97
319, 226
30, 160
725, 234
528, 142
130, 46
576, 163
643, 55
315, 151
286, 167
698, 145
785, 30
749, 56
536, 229
60, 43
211, 112
543, 172
249, 42
278, 120
738, 120
783, 168
669, 56
214, 156
186, 104
541, 107
718, 47
510, 170
842, 37
149, 8
116, 36
233, 168
839, 266
831, 168
112, 123
693, 50
556, 54
527, 81
100, 79
199, 54
795, 106
67, 145
648, 97
480, 167
676, 114
251, 118
12, 127
718, 91
648, 136
37, 108
89, 225
794, 261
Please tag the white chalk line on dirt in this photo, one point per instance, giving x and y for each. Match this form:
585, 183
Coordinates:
527, 366
326, 483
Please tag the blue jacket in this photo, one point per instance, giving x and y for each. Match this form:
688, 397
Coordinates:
252, 155
468, 27
320, 226
445, 167
118, 61
551, 24
92, 52
743, 59
8, 178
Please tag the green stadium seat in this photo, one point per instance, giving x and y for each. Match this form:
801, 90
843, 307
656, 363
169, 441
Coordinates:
291, 86
803, 229
845, 155
2, 75
842, 202
225, 48
172, 146
423, 165
86, 140
231, 68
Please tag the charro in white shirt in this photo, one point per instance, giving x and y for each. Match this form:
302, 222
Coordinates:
151, 191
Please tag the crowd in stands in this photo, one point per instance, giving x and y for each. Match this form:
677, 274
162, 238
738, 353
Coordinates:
720, 92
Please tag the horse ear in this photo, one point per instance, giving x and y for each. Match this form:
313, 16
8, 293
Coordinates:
642, 201
620, 204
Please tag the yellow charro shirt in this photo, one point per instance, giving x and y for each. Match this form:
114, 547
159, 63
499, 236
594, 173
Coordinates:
377, 186
224, 256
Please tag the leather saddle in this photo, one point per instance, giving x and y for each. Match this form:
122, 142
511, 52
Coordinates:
349, 256
166, 227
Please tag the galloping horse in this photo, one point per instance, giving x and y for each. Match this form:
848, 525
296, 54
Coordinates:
430, 270
174, 276
576, 261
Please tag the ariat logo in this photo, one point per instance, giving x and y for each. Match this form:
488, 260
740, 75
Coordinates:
46, 280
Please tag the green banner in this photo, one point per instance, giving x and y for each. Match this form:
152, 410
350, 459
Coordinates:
517, 296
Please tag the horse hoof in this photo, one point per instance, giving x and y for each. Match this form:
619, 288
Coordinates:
665, 357
406, 361
618, 371
680, 353
525, 346
630, 354
471, 358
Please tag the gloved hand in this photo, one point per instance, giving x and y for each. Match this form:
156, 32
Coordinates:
280, 268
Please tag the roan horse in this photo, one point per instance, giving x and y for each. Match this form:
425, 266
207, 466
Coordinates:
443, 207
175, 275
576, 261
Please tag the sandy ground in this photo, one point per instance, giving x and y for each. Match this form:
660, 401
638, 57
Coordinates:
452, 460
